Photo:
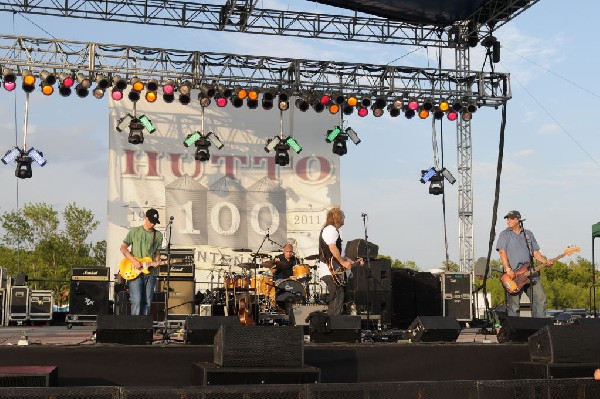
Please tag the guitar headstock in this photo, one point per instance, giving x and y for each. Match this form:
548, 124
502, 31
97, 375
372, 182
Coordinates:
571, 250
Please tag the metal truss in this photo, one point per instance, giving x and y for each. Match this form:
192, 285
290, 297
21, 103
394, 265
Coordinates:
295, 75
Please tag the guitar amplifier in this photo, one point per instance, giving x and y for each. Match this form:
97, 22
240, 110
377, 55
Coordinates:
182, 266
90, 274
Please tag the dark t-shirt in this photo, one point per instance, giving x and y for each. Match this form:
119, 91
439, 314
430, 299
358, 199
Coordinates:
284, 268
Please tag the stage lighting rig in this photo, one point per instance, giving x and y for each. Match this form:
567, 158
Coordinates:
339, 138
202, 142
281, 147
136, 127
435, 179
23, 159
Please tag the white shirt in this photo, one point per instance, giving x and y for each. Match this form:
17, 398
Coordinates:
330, 236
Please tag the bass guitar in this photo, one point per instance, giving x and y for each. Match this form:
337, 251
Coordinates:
514, 285
338, 271
128, 272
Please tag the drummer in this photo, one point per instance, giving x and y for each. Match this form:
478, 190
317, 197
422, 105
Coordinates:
284, 264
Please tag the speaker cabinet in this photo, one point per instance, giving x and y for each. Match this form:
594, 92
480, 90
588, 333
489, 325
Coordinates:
361, 249
201, 330
181, 296
518, 329
377, 303
88, 297
376, 278
259, 346
434, 329
404, 308
18, 308
428, 294
157, 307
128, 330
336, 329
566, 344
211, 374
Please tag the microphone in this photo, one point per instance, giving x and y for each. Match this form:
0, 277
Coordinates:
363, 215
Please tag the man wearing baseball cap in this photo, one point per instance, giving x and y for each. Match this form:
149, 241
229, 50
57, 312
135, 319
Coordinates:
517, 247
142, 242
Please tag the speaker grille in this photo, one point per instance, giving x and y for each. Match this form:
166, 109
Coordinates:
88, 297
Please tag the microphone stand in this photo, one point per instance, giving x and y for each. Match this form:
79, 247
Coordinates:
368, 274
166, 336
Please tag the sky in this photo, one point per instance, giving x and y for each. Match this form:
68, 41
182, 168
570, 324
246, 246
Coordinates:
551, 164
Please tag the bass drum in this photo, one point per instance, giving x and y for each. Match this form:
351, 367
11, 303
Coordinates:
288, 291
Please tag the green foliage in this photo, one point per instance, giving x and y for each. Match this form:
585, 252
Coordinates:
397, 263
34, 244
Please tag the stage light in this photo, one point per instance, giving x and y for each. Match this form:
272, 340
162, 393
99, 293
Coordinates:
394, 112
215, 140
136, 132
98, 93
269, 95
119, 84
184, 92
293, 144
466, 116
377, 111
240, 93
202, 152
191, 139
208, 90
398, 103
148, 125
352, 135
302, 104
352, 101
365, 101
37, 156
48, 79
334, 109
452, 115
413, 104
169, 91
436, 185
102, 82
267, 102
324, 99
252, 104
332, 134
457, 105
28, 84
23, 170
409, 113
253, 94
443, 105
427, 174
66, 83
8, 78
136, 89
448, 176
347, 109
472, 108
203, 99
282, 156
339, 145
283, 101
124, 122
11, 155
438, 114
82, 89
363, 111
271, 143
202, 142
151, 89
423, 113
221, 101
338, 98
318, 107
427, 104
235, 101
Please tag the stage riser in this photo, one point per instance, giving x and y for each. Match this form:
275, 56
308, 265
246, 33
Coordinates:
210, 374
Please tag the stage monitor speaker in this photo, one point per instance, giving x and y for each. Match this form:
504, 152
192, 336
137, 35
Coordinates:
325, 328
181, 296
127, 330
88, 297
360, 248
433, 329
201, 330
259, 346
518, 329
566, 344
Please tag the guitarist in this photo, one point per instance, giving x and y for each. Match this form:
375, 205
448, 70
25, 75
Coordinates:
517, 247
330, 246
140, 242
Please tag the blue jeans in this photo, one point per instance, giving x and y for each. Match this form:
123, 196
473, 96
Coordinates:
141, 290
537, 296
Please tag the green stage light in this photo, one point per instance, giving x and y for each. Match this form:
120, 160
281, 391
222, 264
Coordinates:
332, 134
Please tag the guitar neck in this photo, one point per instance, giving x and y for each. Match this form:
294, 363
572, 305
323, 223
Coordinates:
543, 265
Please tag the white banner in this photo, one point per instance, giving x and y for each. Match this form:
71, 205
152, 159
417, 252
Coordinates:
239, 199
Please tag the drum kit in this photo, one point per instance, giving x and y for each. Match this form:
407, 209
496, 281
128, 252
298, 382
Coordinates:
255, 285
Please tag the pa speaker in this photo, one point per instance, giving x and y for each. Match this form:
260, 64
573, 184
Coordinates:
434, 329
128, 330
325, 328
566, 344
518, 329
201, 330
88, 297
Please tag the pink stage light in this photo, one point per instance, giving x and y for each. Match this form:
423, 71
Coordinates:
10, 86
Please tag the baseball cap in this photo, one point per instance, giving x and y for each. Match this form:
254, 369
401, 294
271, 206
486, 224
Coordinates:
513, 215
152, 215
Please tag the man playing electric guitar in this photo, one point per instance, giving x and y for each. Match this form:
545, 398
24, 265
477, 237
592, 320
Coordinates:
330, 248
517, 247
145, 241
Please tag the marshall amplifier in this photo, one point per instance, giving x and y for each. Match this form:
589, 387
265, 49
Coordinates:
182, 264
90, 274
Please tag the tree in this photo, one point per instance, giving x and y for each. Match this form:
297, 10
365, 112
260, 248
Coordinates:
397, 263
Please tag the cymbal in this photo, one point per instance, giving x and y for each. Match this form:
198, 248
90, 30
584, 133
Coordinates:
268, 263
248, 265
259, 255
241, 250
312, 257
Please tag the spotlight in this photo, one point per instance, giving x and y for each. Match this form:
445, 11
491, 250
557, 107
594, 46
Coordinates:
332, 134
204, 100
235, 101
202, 142
302, 104
221, 101
253, 94
338, 98
23, 170
23, 160
318, 107
448, 176
124, 122
224, 91
339, 145
252, 104
240, 93
324, 99
9, 78
136, 88
413, 104
148, 125
66, 83
169, 91
466, 116
394, 112
427, 104
352, 101
282, 157
47, 81
452, 115
363, 111
151, 89
136, 132
423, 113
82, 89
398, 103
443, 105
427, 174
380, 102
365, 101
409, 113
102, 82
11, 155
438, 113
119, 84
283, 101
37, 156
334, 109
98, 93
472, 108
269, 95
202, 152
377, 110
267, 102
347, 109
457, 105
271, 143
208, 90
184, 92
436, 185
28, 84
352, 135
293, 144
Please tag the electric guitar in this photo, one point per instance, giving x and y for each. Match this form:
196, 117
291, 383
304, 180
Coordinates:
514, 285
128, 272
338, 271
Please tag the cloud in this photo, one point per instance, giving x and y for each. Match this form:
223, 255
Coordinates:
527, 152
549, 129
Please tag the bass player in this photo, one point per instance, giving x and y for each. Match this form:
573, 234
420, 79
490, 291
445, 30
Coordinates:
517, 247
141, 242
330, 252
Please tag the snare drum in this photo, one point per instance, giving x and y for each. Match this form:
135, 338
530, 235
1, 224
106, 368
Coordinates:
301, 272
